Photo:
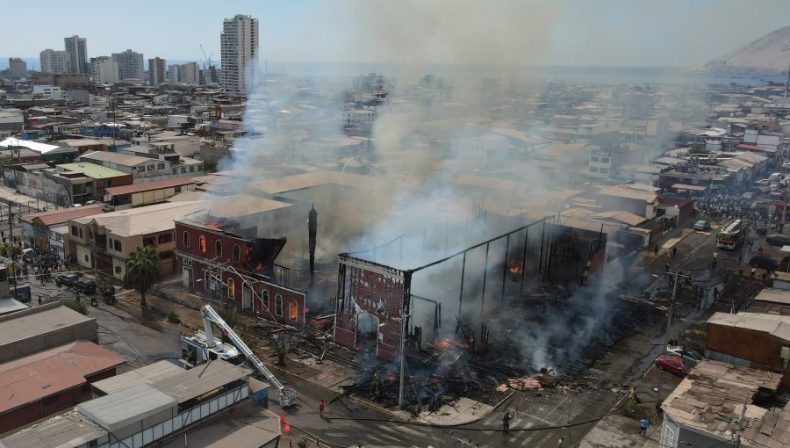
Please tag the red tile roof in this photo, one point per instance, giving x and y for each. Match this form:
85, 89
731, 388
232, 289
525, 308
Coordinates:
62, 216
149, 186
34, 377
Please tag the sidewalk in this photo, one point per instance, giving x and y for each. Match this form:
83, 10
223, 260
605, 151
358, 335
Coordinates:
617, 431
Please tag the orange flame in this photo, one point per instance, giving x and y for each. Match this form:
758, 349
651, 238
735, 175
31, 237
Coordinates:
212, 225
514, 270
259, 267
444, 343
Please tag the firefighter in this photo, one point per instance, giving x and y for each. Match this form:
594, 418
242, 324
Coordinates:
506, 423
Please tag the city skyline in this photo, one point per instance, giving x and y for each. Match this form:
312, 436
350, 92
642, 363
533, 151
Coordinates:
571, 32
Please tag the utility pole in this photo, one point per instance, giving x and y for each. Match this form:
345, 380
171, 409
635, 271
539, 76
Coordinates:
671, 311
13, 246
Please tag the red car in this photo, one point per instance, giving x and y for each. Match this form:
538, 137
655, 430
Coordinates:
672, 364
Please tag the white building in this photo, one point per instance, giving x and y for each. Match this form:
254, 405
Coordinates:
130, 65
104, 70
189, 73
49, 92
77, 48
600, 165
156, 70
17, 68
239, 45
55, 61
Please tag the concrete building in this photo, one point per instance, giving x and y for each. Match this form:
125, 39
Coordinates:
55, 61
189, 73
17, 68
50, 381
600, 165
104, 70
77, 48
40, 328
173, 72
81, 182
156, 70
46, 229
11, 120
239, 45
49, 92
104, 242
130, 65
142, 169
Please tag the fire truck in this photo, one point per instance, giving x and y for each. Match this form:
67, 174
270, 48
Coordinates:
203, 348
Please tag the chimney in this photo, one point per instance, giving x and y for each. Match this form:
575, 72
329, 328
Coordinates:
312, 228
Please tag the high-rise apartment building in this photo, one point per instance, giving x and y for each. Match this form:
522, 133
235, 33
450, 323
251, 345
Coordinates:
104, 70
77, 48
55, 61
189, 73
238, 45
17, 68
130, 65
156, 70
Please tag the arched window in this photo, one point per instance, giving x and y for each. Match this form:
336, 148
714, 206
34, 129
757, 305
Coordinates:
231, 289
218, 248
186, 239
236, 252
278, 305
265, 298
293, 312
202, 244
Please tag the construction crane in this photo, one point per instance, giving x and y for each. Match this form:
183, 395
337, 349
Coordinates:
206, 59
287, 396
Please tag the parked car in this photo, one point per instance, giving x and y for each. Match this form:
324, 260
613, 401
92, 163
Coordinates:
702, 225
763, 181
66, 279
689, 356
778, 239
671, 364
786, 165
91, 202
764, 262
85, 286
27, 255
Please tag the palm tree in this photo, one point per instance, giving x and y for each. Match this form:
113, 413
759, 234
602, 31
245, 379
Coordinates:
142, 267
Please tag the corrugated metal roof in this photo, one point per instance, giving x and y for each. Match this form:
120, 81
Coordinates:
92, 170
61, 216
776, 325
21, 325
149, 186
143, 220
196, 382
115, 157
242, 204
62, 431
144, 375
774, 295
116, 411
315, 179
34, 377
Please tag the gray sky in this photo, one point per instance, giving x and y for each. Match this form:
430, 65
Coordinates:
509, 32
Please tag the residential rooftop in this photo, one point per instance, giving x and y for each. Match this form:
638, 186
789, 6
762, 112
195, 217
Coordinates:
144, 220
92, 170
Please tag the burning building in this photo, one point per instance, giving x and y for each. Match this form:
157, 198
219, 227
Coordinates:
229, 252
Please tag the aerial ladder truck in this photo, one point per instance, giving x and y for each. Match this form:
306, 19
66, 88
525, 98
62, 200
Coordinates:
287, 396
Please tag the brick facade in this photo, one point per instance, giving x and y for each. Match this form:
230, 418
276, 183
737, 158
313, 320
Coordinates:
224, 266
372, 292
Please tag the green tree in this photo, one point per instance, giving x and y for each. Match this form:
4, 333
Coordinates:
143, 270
